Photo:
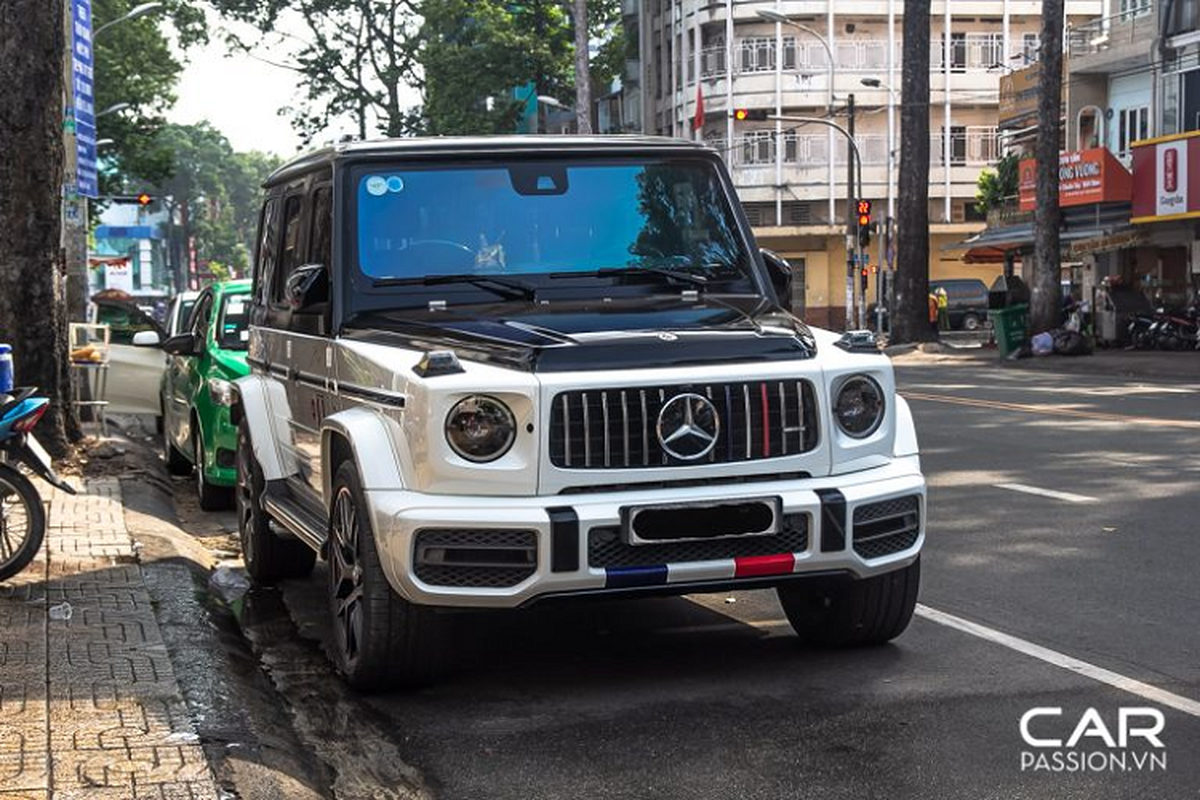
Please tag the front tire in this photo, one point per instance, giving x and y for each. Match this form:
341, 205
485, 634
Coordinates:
23, 523
268, 557
380, 639
177, 463
212, 498
842, 612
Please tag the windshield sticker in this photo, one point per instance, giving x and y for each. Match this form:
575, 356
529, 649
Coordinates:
244, 336
395, 184
235, 306
377, 185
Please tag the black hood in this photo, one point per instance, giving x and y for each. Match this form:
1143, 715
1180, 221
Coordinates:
629, 334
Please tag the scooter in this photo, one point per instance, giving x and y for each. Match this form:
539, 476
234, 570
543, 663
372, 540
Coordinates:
22, 515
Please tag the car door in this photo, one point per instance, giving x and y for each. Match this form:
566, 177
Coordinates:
134, 373
187, 375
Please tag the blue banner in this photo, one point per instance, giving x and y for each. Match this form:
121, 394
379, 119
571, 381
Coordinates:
83, 97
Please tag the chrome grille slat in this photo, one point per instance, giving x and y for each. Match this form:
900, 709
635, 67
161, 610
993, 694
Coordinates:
604, 414
635, 423
587, 433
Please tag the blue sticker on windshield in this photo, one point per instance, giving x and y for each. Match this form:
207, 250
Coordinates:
377, 185
395, 184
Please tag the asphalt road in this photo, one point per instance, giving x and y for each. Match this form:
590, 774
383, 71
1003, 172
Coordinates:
1084, 598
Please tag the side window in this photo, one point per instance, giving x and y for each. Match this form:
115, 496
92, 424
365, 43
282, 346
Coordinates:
321, 241
202, 316
291, 251
265, 257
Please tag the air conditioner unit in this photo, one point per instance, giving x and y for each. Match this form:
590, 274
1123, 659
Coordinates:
958, 212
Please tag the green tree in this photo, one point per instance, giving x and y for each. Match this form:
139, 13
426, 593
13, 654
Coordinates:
996, 186
352, 58
136, 65
475, 52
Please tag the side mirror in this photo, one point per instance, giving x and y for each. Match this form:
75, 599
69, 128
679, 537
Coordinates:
182, 344
780, 272
306, 286
147, 339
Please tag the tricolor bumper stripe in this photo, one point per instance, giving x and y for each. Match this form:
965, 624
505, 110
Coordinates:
691, 572
754, 566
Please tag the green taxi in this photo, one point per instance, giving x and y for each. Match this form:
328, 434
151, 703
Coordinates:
203, 361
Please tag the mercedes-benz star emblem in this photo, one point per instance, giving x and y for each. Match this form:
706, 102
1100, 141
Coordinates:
688, 426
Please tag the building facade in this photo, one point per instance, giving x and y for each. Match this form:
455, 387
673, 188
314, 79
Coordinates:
699, 60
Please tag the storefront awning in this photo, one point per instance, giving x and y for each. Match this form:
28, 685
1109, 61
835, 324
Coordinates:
1087, 229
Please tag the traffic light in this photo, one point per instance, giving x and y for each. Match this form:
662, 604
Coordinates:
750, 114
864, 223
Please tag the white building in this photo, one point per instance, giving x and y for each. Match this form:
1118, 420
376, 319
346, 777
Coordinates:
792, 178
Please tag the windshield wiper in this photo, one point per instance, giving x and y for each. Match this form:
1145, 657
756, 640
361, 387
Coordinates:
683, 276
505, 287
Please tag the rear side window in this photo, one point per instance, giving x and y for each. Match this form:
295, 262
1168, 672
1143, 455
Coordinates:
321, 246
267, 239
291, 253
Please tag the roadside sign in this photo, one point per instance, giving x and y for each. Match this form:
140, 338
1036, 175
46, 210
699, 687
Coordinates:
84, 97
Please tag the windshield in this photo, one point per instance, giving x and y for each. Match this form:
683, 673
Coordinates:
233, 331
546, 218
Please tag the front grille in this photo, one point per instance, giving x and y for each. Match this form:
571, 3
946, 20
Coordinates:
474, 558
887, 527
606, 548
617, 428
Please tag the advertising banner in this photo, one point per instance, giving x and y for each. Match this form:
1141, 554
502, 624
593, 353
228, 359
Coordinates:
1166, 178
1084, 176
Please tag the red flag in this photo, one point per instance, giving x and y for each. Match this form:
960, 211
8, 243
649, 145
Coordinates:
698, 119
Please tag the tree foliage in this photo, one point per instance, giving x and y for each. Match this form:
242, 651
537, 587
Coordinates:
998, 185
212, 194
136, 65
352, 58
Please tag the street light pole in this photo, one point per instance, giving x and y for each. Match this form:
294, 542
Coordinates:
855, 158
770, 15
133, 13
888, 244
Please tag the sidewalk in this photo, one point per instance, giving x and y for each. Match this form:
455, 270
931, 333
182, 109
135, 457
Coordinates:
1136, 364
89, 704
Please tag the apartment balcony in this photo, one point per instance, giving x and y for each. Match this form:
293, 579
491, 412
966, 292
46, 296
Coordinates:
1113, 44
806, 163
869, 8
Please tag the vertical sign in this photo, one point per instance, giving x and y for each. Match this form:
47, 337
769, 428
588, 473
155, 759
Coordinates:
1172, 184
83, 96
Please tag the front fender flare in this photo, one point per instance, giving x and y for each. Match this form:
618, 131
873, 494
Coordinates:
371, 436
905, 443
258, 401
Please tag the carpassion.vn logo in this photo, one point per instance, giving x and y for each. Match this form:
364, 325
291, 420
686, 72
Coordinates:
1058, 742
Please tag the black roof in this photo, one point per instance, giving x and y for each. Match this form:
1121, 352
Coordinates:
482, 145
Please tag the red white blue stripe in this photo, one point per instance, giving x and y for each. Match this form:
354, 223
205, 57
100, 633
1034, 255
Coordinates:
690, 572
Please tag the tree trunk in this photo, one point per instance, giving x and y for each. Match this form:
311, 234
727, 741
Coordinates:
33, 315
910, 317
583, 74
1046, 292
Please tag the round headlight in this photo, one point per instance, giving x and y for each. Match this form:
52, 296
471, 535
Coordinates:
480, 428
858, 408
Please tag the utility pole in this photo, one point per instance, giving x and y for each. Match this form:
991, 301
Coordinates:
851, 217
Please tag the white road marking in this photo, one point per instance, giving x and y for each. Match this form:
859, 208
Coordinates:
1067, 496
1055, 658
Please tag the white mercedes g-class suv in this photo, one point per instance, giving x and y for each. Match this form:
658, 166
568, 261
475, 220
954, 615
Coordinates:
493, 371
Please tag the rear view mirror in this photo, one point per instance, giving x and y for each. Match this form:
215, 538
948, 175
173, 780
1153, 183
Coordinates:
780, 272
183, 344
307, 286
147, 339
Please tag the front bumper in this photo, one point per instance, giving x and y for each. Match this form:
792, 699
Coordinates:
826, 505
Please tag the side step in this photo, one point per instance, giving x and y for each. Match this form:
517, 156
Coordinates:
301, 521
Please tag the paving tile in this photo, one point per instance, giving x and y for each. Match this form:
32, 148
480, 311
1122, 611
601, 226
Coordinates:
23, 756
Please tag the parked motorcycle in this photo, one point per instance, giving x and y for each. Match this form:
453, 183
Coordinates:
22, 515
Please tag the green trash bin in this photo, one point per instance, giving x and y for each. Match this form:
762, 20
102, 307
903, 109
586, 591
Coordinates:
1009, 324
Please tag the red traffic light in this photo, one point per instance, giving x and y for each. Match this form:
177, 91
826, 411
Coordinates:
864, 208
144, 199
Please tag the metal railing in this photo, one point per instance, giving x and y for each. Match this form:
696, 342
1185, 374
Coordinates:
1135, 24
974, 146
